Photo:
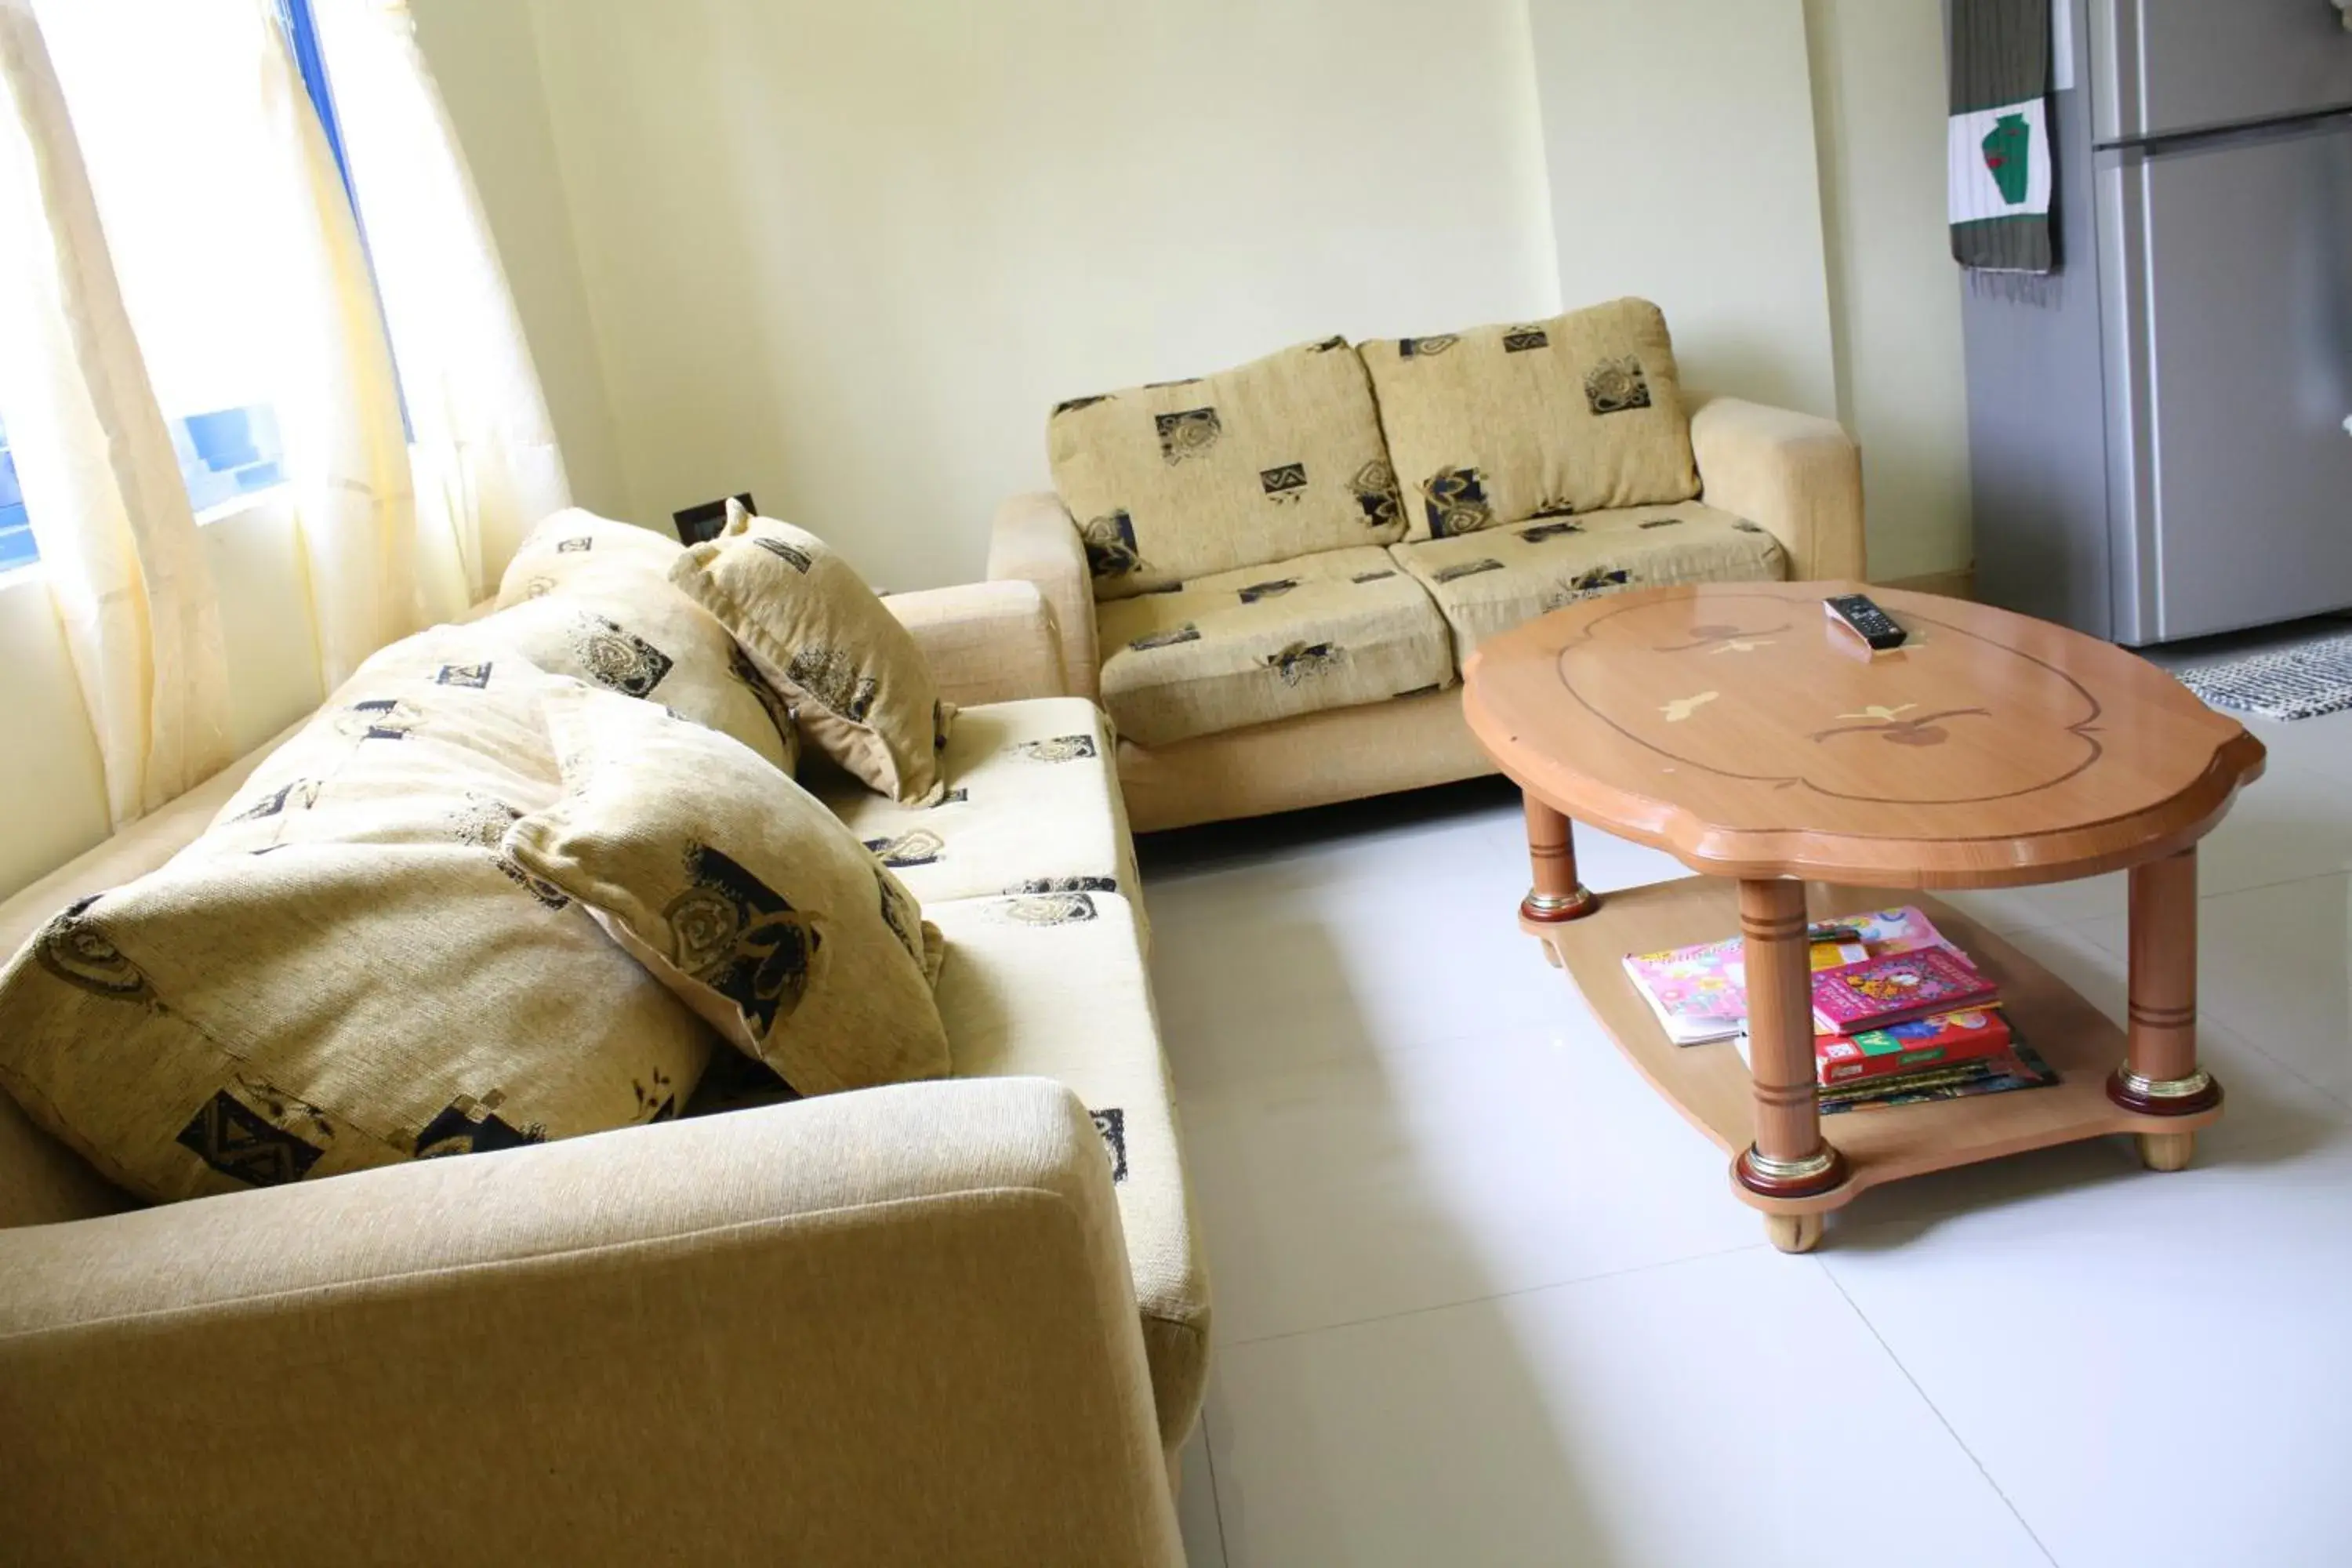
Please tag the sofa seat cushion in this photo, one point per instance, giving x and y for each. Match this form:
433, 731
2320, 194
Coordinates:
1488, 583
1053, 985
347, 970
1499, 425
1274, 459
1032, 805
1333, 630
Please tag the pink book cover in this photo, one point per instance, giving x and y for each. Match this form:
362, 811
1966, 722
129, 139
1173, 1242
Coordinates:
1896, 987
1709, 981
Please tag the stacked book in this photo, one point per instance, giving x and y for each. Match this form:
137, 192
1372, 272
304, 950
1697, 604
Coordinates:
1901, 1016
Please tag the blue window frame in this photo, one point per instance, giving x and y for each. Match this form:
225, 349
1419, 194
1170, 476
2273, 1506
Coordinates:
224, 453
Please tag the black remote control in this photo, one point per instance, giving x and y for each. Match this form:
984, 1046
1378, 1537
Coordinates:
1869, 622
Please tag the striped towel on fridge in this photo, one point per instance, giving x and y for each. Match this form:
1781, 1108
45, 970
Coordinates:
2000, 137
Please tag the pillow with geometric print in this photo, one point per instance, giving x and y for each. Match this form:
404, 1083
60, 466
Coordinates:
740, 890
857, 681
347, 971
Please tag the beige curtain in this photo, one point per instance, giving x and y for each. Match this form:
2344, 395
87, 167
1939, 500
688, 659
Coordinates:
118, 546
347, 452
486, 461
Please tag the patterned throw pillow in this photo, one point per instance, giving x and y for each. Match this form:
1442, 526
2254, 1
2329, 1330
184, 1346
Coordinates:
570, 543
858, 682
619, 628
1498, 425
347, 970
743, 893
1279, 457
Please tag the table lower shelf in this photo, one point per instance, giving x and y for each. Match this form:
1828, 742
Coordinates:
1709, 1084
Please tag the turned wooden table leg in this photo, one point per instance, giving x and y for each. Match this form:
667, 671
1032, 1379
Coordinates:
2160, 1076
1789, 1159
1557, 895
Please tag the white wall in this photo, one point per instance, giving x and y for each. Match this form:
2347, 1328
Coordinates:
1879, 97
487, 60
1679, 142
848, 255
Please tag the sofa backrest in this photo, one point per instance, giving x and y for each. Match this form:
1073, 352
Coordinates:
1493, 426
1277, 458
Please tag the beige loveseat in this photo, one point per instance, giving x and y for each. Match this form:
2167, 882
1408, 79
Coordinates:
1271, 578
960, 1321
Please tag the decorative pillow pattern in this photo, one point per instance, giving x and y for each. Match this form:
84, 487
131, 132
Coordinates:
741, 892
1182, 479
1505, 425
618, 629
347, 970
571, 541
1335, 629
858, 684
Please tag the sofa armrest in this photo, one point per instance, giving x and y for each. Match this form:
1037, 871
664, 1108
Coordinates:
986, 642
1034, 540
891, 1326
1796, 475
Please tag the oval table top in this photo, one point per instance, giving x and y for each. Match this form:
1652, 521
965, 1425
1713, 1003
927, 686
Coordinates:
1737, 728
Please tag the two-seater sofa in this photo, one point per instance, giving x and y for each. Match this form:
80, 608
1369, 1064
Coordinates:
1271, 576
958, 1321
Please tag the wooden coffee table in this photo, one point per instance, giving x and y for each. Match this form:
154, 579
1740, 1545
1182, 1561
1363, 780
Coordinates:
1739, 730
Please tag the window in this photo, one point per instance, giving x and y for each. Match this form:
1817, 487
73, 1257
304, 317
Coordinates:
16, 547
232, 448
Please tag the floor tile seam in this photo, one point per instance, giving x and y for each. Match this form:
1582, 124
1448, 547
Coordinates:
1217, 1498
1568, 1283
1936, 1410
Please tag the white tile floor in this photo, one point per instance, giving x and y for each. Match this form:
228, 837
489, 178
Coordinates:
1482, 1298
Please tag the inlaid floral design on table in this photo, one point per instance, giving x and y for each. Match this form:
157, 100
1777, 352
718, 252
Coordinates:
1878, 730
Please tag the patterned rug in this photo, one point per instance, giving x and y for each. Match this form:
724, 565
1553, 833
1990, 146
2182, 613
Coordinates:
2299, 682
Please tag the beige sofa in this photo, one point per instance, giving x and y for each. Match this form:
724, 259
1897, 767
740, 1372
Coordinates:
932, 1323
1795, 477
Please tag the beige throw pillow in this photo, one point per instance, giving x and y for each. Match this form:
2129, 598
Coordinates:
571, 541
1279, 457
742, 892
1498, 425
347, 970
858, 682
617, 628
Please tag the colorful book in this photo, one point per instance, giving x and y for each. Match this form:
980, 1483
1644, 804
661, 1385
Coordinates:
2021, 1069
1895, 989
1700, 993
1966, 1035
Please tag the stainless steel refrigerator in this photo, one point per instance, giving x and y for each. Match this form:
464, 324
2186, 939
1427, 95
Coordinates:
2161, 433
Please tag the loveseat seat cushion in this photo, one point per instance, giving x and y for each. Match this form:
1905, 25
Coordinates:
1331, 630
1499, 425
1489, 582
347, 971
1053, 985
1274, 458
1032, 805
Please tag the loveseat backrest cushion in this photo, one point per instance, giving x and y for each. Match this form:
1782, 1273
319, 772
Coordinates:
1279, 457
1497, 425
